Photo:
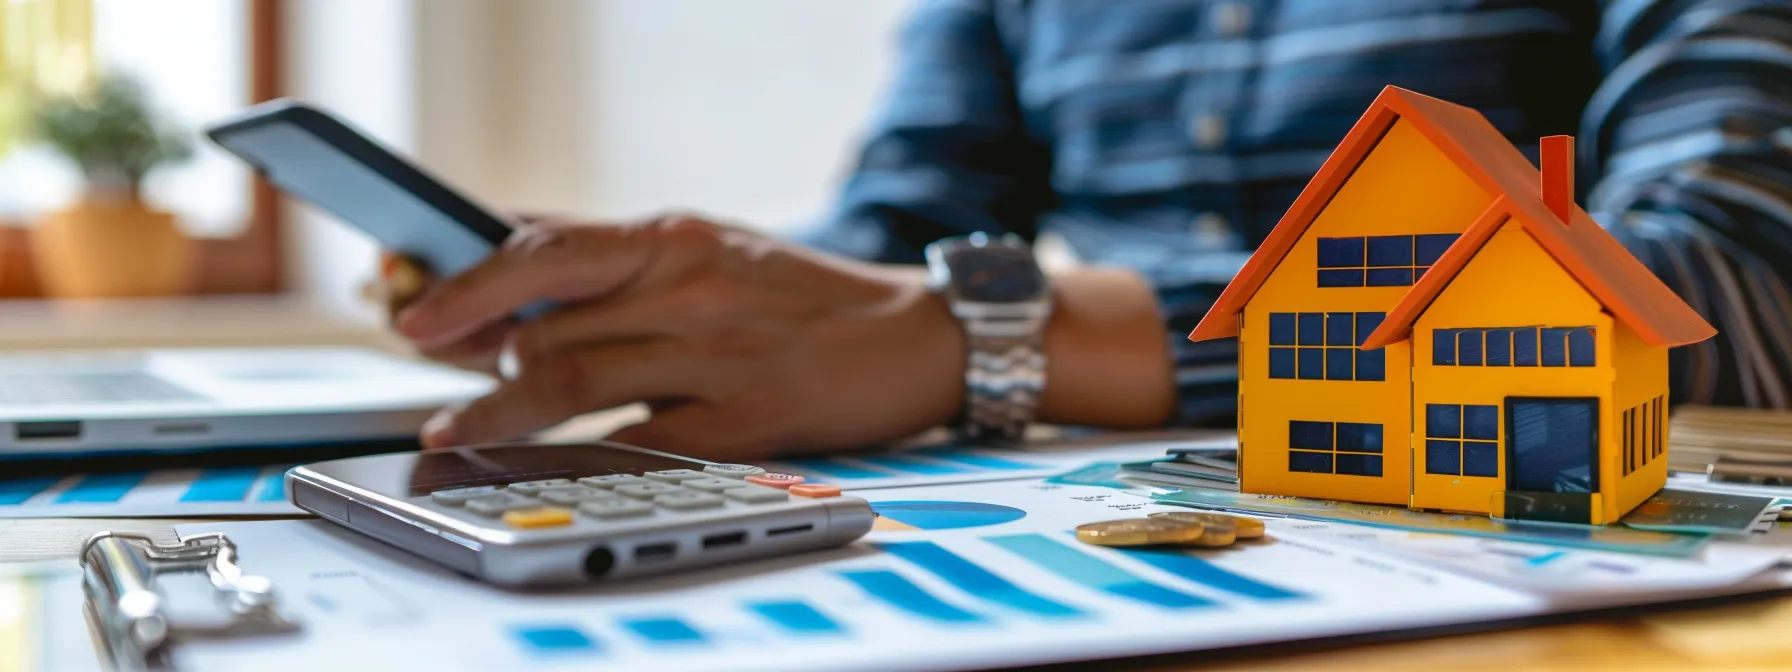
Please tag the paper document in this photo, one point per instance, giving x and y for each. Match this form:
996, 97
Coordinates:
220, 491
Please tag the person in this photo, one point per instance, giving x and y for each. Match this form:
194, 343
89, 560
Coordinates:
1160, 141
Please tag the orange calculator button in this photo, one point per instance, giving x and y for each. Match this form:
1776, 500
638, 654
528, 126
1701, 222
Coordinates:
815, 490
533, 518
779, 481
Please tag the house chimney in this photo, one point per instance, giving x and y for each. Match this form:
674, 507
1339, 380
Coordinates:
1558, 176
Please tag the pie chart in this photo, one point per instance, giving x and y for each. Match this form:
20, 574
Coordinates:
939, 515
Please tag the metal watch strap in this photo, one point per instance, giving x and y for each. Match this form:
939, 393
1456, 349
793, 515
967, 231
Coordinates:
1004, 378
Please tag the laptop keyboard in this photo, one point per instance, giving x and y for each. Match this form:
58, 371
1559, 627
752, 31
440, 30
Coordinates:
25, 389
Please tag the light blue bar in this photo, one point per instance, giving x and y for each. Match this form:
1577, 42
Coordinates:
664, 630
973, 459
911, 465
1210, 575
903, 594
16, 491
975, 580
796, 617
100, 488
555, 640
226, 484
1095, 573
831, 468
273, 487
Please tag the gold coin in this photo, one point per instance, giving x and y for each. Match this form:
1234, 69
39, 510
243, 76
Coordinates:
1246, 528
1138, 532
1214, 537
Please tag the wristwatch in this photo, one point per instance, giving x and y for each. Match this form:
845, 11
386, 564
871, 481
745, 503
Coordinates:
996, 289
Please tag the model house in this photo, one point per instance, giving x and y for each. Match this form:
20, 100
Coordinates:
1435, 324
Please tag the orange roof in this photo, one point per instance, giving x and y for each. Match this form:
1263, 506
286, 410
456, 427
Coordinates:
1598, 261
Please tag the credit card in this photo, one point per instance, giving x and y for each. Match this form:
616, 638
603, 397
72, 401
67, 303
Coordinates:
1706, 512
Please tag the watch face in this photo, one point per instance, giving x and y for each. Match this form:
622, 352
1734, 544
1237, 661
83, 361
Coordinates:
995, 275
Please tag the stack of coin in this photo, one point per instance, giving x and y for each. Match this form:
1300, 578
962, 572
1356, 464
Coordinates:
1172, 528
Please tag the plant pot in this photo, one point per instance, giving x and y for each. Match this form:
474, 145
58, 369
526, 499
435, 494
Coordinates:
111, 248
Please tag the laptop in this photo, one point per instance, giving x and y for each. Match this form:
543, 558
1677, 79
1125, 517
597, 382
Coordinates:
79, 403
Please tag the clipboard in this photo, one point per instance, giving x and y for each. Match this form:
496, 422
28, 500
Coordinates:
126, 606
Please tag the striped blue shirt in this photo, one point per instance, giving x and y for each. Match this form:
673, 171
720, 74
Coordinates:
1169, 136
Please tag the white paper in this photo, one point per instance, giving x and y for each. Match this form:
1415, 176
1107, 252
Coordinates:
230, 491
864, 471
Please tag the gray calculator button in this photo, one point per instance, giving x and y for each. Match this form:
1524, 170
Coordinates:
608, 481
459, 496
533, 488
756, 494
675, 475
495, 504
575, 494
611, 509
732, 470
713, 484
646, 490
688, 500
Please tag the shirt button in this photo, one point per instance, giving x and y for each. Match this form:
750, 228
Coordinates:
1231, 18
1210, 230
1208, 131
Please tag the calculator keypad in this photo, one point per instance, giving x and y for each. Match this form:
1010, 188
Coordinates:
560, 502
733, 470
498, 503
607, 481
459, 496
688, 500
575, 495
615, 509
532, 488
712, 484
675, 475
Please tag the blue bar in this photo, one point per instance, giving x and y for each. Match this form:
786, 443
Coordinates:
100, 488
273, 487
903, 594
664, 630
554, 639
15, 492
976, 460
226, 484
796, 617
832, 468
1091, 571
1207, 574
912, 465
975, 580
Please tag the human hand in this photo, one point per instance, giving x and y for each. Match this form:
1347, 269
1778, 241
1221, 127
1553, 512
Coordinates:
741, 345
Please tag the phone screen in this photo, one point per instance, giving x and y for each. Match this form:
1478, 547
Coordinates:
496, 465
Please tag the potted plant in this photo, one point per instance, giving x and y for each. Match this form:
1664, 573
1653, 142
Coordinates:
109, 242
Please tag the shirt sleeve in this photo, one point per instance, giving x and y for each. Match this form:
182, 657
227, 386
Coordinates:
1689, 138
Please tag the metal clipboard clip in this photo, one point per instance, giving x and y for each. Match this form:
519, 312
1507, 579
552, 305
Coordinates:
128, 611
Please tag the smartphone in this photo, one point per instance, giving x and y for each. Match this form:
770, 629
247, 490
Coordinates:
528, 515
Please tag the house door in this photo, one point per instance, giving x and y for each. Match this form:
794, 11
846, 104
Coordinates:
1552, 458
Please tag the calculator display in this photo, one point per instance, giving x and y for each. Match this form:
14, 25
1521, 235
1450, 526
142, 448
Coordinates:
499, 464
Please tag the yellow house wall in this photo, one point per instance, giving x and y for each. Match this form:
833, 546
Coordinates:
1512, 282
1642, 375
1404, 186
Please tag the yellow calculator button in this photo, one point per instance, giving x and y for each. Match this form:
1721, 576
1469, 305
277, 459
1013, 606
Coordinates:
538, 518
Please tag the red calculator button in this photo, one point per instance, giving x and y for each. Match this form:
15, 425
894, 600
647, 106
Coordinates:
779, 481
815, 490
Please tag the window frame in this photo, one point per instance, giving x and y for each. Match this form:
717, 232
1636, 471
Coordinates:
1579, 347
1302, 432
1291, 345
1460, 443
1398, 270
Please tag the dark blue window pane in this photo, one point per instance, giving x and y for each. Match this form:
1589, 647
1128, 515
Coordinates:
1335, 278
1359, 465
1366, 323
1555, 347
1580, 347
1553, 445
1429, 247
1390, 250
1371, 364
1281, 328
1443, 421
1389, 277
1443, 457
1281, 363
1480, 458
1311, 435
1338, 363
1340, 252
1499, 347
1312, 463
1359, 437
1312, 328
1481, 422
1468, 347
1312, 363
1524, 347
1443, 347
1340, 329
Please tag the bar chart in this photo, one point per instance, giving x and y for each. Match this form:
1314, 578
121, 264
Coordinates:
168, 492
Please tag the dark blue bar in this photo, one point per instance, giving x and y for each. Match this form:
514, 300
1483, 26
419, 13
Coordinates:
1207, 574
554, 639
831, 468
903, 594
1090, 571
226, 484
975, 580
664, 630
273, 487
100, 489
975, 460
796, 617
15, 492
911, 465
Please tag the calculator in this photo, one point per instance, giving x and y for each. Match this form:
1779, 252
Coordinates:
529, 514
